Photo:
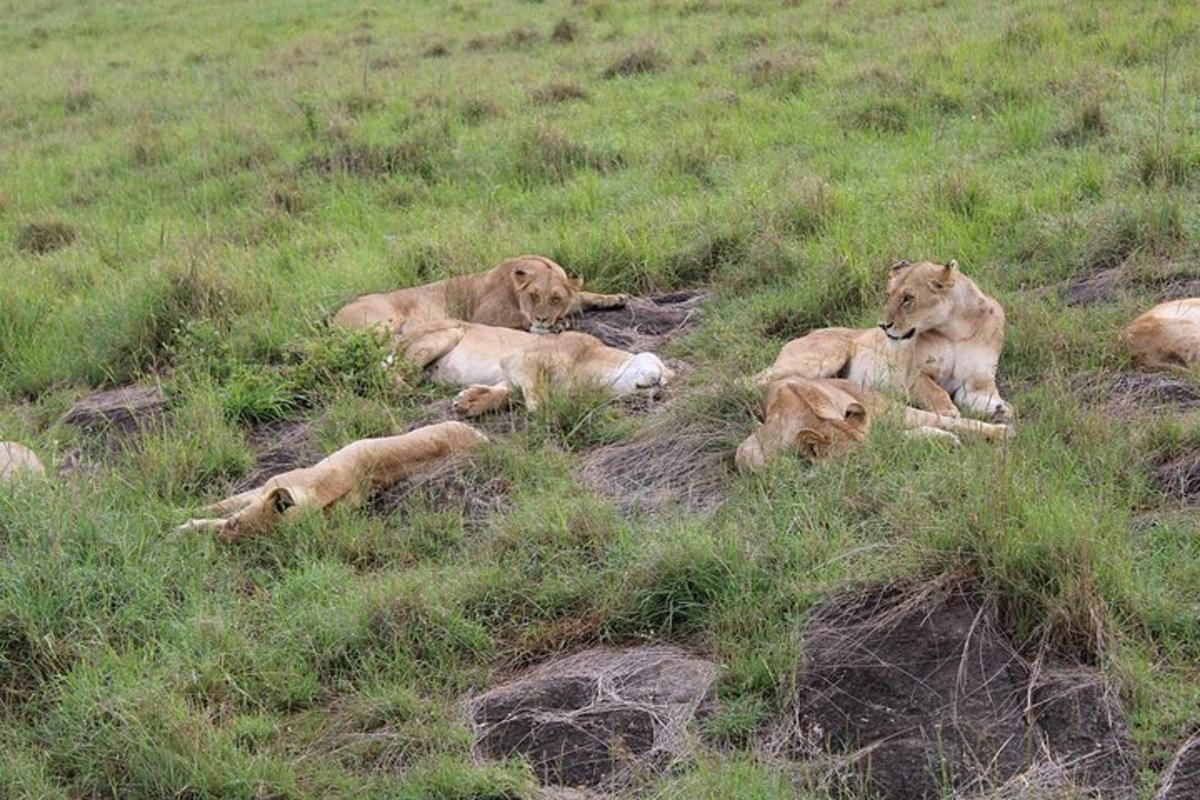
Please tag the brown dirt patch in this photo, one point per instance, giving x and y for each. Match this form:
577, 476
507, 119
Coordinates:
645, 324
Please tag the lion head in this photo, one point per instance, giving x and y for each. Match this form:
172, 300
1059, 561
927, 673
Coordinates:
816, 418
545, 295
919, 298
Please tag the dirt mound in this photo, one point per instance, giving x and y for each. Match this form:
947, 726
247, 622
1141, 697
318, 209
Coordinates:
1128, 391
124, 412
278, 448
597, 718
645, 323
1182, 778
457, 483
916, 691
1116, 283
671, 463
1177, 475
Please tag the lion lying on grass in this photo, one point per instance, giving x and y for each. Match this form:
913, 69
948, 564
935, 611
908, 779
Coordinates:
349, 475
491, 362
939, 341
18, 461
1167, 335
824, 416
530, 293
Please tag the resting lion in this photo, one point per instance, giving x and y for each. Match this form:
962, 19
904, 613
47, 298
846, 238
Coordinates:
824, 416
939, 341
349, 475
1167, 335
529, 292
491, 362
18, 461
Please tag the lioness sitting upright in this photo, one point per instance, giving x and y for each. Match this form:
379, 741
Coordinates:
1167, 335
349, 475
824, 416
530, 292
491, 362
939, 341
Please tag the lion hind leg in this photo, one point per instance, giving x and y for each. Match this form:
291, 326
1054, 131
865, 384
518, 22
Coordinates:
428, 345
821, 354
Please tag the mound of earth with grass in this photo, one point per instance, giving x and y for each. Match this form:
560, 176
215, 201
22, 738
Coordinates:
644, 323
597, 718
673, 462
124, 411
1182, 778
1126, 392
1176, 474
916, 691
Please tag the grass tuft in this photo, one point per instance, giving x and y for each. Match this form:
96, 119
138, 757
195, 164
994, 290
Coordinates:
559, 91
641, 60
40, 238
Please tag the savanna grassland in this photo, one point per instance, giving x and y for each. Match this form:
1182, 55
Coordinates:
188, 190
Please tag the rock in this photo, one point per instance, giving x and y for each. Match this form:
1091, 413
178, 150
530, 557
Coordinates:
17, 462
919, 692
598, 717
125, 411
1182, 779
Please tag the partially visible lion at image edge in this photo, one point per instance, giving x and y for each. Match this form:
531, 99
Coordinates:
938, 341
529, 293
1166, 336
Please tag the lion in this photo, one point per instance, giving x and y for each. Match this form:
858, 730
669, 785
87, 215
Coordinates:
347, 476
1166, 336
17, 462
824, 416
939, 341
529, 292
491, 362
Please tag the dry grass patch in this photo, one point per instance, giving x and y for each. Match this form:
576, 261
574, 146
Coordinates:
559, 92
44, 237
641, 60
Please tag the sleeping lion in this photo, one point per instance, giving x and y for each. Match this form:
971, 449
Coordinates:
347, 476
492, 362
939, 341
529, 292
824, 416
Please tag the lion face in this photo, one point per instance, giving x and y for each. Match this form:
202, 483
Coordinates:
815, 418
918, 298
544, 292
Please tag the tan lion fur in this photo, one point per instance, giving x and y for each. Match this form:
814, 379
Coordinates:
349, 475
528, 292
822, 417
1166, 336
939, 341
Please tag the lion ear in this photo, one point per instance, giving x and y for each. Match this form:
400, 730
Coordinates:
577, 284
899, 265
281, 499
521, 276
855, 412
945, 278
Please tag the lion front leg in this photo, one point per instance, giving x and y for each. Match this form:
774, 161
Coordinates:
917, 419
979, 395
480, 399
586, 301
928, 395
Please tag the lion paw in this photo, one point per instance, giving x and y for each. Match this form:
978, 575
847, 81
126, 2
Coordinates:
474, 400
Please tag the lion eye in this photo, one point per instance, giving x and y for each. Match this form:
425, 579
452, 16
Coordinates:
908, 298
556, 297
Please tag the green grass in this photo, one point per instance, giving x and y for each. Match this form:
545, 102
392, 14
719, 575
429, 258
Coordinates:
189, 191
